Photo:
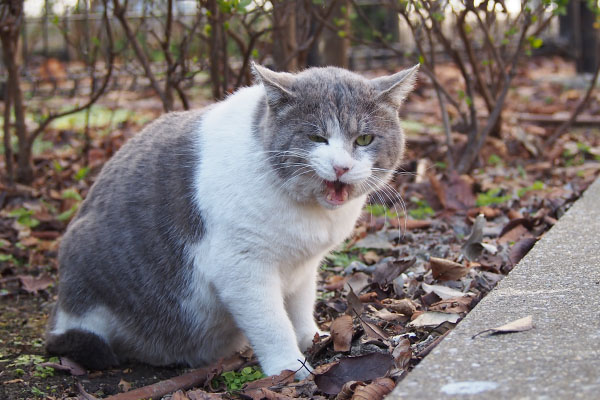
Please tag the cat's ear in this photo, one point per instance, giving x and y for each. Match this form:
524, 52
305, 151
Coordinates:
277, 84
395, 88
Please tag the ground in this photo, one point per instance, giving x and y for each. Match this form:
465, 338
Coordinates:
414, 272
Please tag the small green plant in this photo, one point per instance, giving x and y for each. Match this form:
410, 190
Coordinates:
26, 360
43, 372
70, 194
423, 209
340, 259
235, 380
492, 196
24, 217
8, 258
81, 173
495, 160
37, 392
379, 210
537, 185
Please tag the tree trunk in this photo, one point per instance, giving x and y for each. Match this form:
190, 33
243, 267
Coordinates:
337, 43
284, 43
214, 44
10, 43
577, 31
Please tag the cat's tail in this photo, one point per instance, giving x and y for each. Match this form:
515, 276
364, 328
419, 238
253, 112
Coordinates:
84, 347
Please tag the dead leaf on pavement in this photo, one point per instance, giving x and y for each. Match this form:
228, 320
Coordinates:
341, 332
446, 270
519, 325
362, 368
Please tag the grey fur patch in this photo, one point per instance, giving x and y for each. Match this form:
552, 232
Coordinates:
126, 247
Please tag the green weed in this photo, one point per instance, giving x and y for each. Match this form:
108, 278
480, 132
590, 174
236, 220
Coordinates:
423, 209
379, 210
537, 185
492, 196
24, 217
234, 381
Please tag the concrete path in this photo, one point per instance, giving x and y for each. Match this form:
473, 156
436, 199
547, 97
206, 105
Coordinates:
558, 283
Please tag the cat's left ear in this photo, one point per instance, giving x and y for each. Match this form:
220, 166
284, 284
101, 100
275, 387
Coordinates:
395, 88
277, 84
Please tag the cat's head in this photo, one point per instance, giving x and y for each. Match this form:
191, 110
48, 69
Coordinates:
332, 135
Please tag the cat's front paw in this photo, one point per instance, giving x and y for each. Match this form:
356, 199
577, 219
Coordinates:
306, 339
299, 366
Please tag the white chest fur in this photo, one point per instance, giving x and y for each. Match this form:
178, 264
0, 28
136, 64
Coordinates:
261, 249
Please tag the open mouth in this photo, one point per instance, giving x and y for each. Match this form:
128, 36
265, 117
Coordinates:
337, 192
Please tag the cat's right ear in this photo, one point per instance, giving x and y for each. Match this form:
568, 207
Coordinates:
277, 84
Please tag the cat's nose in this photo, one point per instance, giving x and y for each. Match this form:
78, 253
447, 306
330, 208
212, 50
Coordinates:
339, 171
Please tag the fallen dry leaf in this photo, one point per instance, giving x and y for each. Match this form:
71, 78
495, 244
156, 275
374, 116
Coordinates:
202, 395
386, 315
519, 325
178, 395
403, 306
472, 248
125, 386
341, 332
389, 269
402, 354
373, 330
456, 305
347, 390
32, 284
376, 390
357, 281
431, 319
410, 224
371, 257
514, 235
361, 368
443, 292
355, 306
521, 248
446, 270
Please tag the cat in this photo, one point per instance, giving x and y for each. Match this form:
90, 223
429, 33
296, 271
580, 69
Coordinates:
204, 233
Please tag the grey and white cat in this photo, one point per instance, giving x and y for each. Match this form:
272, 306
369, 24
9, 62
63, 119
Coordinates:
205, 231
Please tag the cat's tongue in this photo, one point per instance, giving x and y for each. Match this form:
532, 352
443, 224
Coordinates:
337, 192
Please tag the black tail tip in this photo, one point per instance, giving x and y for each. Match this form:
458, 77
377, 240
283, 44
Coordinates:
84, 347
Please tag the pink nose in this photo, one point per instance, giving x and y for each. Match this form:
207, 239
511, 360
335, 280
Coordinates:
339, 171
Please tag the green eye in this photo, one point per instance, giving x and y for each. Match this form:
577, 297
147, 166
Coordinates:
317, 139
364, 140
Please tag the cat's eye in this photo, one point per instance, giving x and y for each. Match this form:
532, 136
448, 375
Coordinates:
364, 140
317, 139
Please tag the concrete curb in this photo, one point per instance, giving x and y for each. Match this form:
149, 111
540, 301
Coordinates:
558, 283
